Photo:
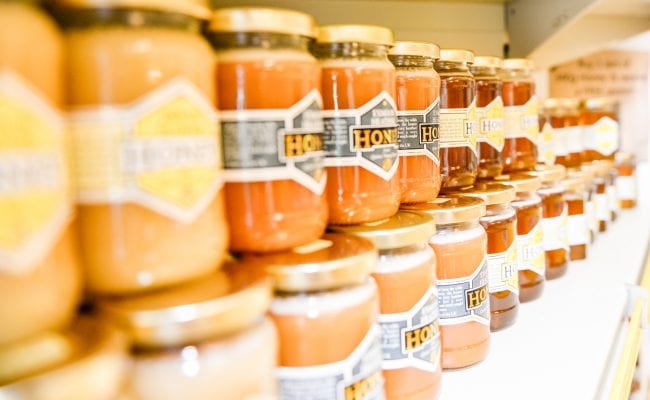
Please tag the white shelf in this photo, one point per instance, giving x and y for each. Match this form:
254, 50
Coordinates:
562, 344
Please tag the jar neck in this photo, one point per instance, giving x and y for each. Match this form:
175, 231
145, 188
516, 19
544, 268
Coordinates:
459, 226
452, 67
258, 40
411, 62
81, 18
354, 50
485, 72
414, 248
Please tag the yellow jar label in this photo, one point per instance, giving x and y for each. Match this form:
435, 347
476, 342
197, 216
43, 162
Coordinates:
603, 136
161, 152
522, 121
546, 145
459, 127
530, 250
490, 124
35, 206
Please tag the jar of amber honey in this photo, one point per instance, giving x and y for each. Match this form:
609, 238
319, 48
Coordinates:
408, 299
325, 309
555, 221
626, 180
564, 117
601, 204
578, 230
530, 235
146, 145
40, 283
360, 136
521, 127
460, 245
417, 88
500, 223
458, 123
489, 112
268, 87
601, 137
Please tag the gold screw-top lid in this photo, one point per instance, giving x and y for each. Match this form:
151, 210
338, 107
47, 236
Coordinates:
599, 103
260, 19
457, 55
213, 306
487, 62
194, 8
582, 173
405, 228
50, 361
450, 210
337, 260
573, 182
622, 157
518, 63
490, 193
522, 182
421, 49
355, 33
549, 173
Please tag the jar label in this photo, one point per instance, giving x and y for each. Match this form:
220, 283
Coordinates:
365, 137
590, 213
276, 144
602, 136
603, 212
556, 232
626, 187
417, 132
412, 338
357, 377
161, 152
35, 201
574, 139
503, 270
530, 251
465, 299
459, 127
522, 121
560, 142
612, 198
578, 230
490, 124
546, 146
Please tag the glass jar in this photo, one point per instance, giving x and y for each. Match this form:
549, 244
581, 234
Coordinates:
408, 299
555, 221
546, 140
601, 137
626, 180
612, 195
589, 174
325, 309
417, 87
458, 122
269, 103
530, 235
360, 123
489, 111
39, 275
146, 145
204, 337
578, 230
564, 117
601, 205
460, 245
520, 115
500, 224
88, 361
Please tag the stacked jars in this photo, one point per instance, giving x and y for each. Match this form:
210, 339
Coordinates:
599, 117
458, 123
564, 117
521, 125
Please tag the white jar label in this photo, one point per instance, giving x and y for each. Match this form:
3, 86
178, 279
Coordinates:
602, 136
590, 212
612, 198
412, 338
465, 299
418, 132
364, 137
459, 127
626, 187
578, 229
503, 270
35, 195
530, 250
555, 232
276, 144
574, 139
603, 212
561, 141
490, 124
357, 377
546, 146
522, 121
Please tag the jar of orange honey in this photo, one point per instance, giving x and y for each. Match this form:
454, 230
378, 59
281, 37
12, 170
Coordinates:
626, 180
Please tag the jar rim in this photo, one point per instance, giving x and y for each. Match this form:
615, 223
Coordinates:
451, 209
490, 193
418, 49
457, 55
194, 8
518, 63
262, 20
343, 33
487, 62
522, 182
